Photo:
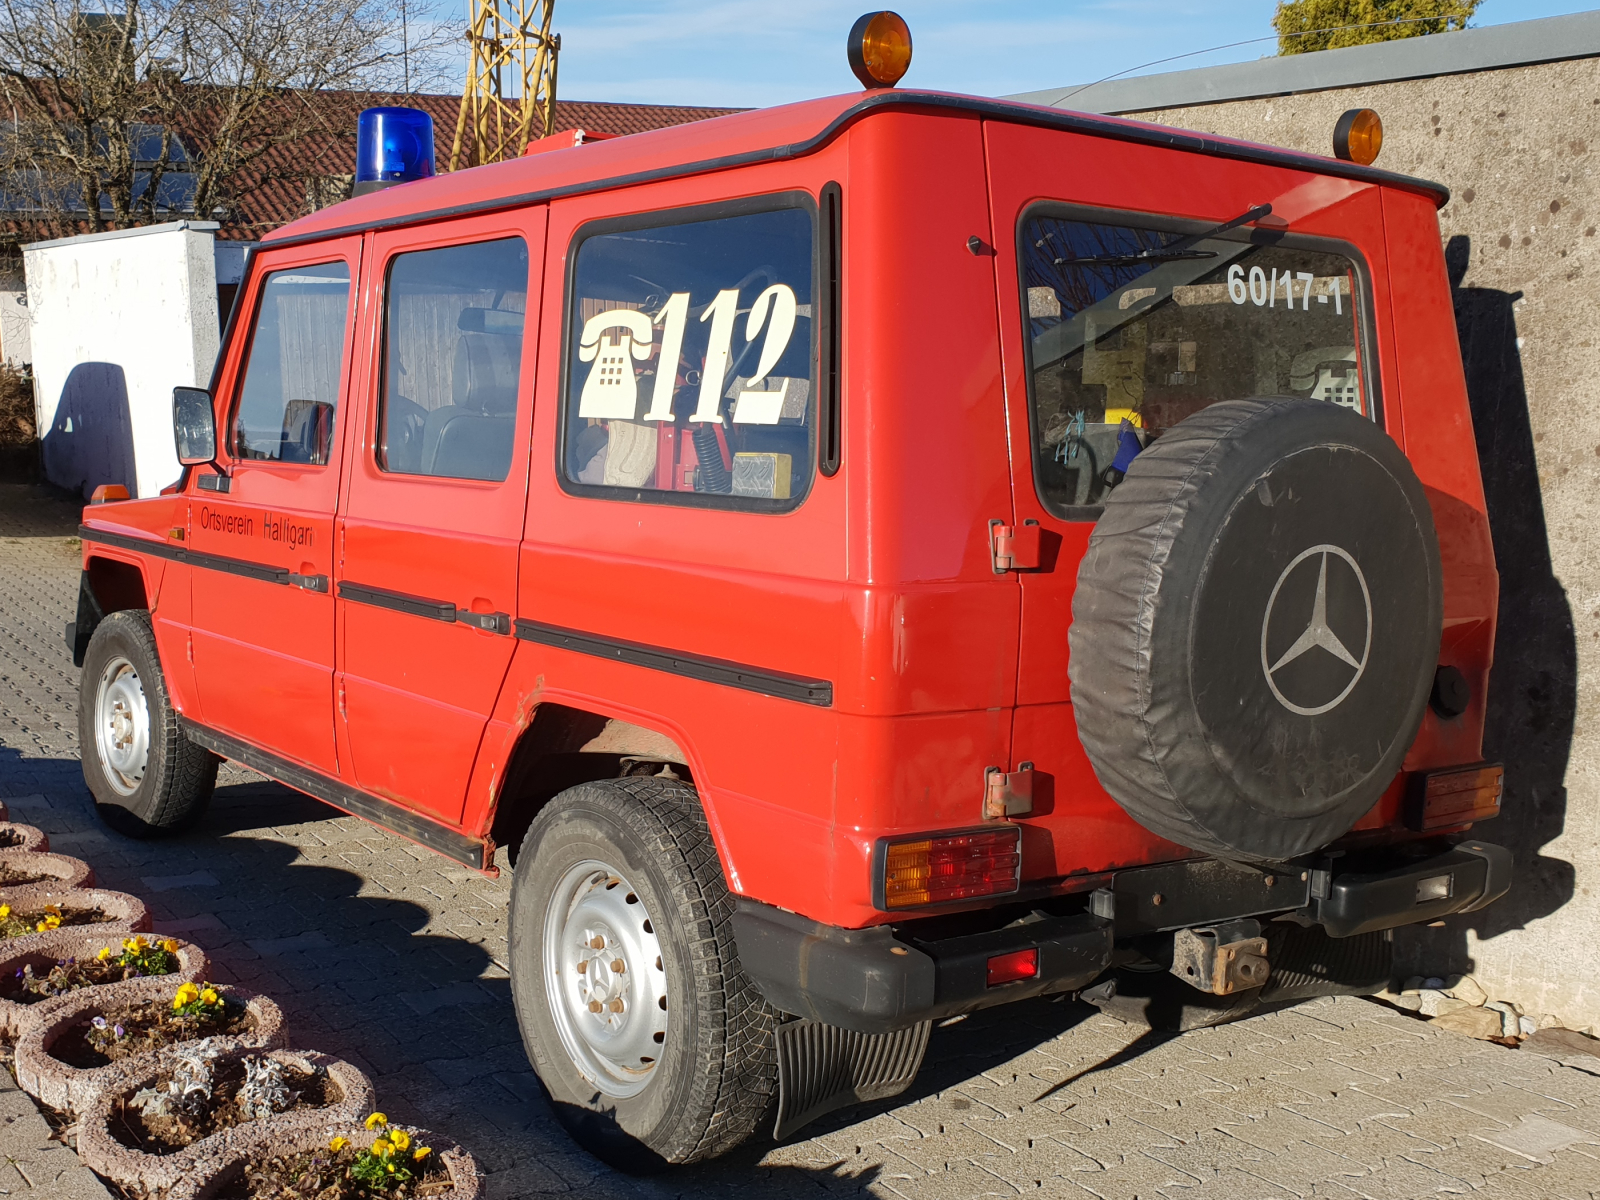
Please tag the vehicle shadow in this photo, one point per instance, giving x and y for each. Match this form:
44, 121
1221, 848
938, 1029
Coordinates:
409, 992
1532, 699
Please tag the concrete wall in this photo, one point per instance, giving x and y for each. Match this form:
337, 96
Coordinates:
119, 320
1518, 148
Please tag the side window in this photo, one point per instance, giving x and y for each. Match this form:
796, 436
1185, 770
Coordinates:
690, 362
291, 380
1132, 329
452, 358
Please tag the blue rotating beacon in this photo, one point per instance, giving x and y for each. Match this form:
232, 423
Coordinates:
393, 145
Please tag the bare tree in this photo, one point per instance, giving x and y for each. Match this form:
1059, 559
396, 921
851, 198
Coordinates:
116, 116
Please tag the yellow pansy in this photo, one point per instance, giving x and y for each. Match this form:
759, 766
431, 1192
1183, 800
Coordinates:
5, 911
105, 953
376, 1119
338, 1144
170, 946
421, 1152
187, 994
401, 1140
53, 909
141, 943
381, 1147
209, 997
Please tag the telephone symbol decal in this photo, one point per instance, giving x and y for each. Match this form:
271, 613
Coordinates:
611, 340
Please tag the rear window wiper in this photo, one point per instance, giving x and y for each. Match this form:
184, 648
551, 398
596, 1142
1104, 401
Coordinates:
1179, 249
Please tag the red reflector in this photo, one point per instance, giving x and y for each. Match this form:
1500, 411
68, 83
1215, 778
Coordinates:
957, 866
1008, 968
1449, 798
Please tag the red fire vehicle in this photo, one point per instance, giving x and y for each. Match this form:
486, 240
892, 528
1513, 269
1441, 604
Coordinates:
868, 560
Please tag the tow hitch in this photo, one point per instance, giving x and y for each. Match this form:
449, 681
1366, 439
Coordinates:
1223, 959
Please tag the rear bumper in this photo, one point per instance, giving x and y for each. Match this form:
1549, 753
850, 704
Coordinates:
1469, 877
871, 981
880, 979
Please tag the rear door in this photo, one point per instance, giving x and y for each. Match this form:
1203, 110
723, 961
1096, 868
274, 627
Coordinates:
262, 551
1119, 317
433, 513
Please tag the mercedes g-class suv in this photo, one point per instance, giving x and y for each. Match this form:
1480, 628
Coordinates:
867, 560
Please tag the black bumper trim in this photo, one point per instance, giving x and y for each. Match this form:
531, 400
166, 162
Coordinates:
1476, 874
872, 981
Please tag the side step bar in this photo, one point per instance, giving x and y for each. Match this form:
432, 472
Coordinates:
822, 1067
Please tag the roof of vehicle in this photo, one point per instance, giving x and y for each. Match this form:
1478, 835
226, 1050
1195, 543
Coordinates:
760, 135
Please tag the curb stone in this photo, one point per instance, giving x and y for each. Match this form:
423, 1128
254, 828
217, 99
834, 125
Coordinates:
71, 1089
60, 870
462, 1166
33, 838
17, 1018
133, 1169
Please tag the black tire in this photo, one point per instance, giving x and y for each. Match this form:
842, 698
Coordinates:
1214, 692
716, 1075
173, 785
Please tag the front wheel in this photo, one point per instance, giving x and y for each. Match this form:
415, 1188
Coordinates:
653, 1044
147, 778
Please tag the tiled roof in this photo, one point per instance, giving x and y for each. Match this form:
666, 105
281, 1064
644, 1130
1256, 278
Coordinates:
276, 188
275, 192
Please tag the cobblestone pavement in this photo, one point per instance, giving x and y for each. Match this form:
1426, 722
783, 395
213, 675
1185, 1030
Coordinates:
395, 959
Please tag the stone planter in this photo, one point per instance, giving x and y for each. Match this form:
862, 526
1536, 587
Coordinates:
71, 1089
30, 837
306, 1136
128, 913
58, 870
16, 1018
142, 1172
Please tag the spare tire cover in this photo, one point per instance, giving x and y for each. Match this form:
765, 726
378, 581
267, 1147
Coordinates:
1256, 628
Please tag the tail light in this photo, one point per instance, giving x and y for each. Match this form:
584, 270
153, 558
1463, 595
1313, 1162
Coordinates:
1446, 799
947, 867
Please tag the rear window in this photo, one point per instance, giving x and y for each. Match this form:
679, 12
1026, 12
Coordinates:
690, 359
1134, 326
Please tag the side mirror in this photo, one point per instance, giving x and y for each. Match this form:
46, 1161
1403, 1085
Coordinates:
194, 425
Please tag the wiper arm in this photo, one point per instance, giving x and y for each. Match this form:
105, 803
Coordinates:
1179, 249
1133, 260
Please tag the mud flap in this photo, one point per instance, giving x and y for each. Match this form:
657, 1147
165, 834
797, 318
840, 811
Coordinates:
822, 1067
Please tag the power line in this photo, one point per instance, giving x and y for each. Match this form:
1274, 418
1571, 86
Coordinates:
1248, 42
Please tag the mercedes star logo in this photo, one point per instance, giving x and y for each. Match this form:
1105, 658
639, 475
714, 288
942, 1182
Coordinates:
1313, 680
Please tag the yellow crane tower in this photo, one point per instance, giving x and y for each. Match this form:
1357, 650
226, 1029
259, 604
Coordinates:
510, 97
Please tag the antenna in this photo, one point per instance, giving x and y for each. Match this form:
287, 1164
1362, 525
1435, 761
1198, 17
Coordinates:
510, 97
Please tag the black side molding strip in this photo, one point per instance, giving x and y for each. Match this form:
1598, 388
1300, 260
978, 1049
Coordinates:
692, 666
143, 545
239, 566
416, 606
211, 562
470, 851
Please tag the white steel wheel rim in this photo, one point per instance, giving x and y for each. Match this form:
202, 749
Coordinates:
605, 978
122, 726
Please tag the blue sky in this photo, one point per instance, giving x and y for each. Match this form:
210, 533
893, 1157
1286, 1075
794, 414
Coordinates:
757, 52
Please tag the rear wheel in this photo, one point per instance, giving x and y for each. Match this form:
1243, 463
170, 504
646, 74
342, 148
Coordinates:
653, 1044
147, 778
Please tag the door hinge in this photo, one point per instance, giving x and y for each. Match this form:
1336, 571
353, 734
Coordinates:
1015, 547
1008, 794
